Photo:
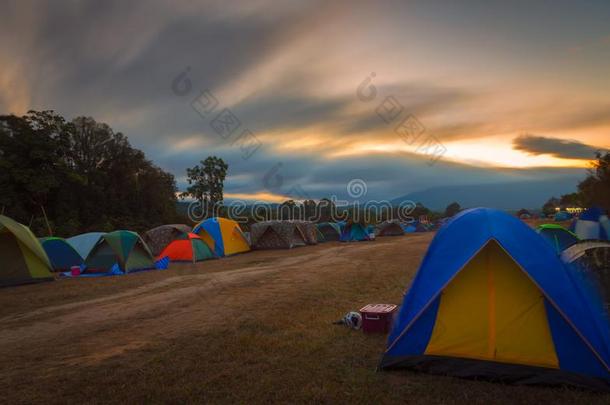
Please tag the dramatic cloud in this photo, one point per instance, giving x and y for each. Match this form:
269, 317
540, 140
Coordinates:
474, 78
561, 148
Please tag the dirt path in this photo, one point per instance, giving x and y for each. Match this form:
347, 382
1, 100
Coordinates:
253, 328
91, 330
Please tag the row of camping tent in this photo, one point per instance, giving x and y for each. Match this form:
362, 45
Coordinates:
28, 259
492, 299
593, 224
289, 234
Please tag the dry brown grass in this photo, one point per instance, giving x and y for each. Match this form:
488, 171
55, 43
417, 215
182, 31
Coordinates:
251, 328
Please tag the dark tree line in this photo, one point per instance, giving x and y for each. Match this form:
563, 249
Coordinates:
81, 174
593, 190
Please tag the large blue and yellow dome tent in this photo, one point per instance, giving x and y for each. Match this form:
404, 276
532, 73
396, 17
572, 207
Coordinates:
491, 299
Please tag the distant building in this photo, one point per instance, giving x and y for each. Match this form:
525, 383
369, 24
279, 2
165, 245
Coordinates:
571, 210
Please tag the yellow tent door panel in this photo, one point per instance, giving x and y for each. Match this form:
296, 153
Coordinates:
493, 311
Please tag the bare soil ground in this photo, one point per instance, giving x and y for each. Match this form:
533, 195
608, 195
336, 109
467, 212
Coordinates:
250, 328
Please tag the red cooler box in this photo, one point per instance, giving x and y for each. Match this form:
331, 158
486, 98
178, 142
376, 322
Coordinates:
377, 318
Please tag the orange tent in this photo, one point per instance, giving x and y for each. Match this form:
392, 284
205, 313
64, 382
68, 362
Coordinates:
189, 248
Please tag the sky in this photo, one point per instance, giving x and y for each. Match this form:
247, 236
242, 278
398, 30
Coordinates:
303, 99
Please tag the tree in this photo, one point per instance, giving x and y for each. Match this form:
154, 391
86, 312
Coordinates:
452, 209
83, 174
549, 208
327, 210
207, 183
595, 189
287, 210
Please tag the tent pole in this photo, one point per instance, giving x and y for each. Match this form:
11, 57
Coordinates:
44, 213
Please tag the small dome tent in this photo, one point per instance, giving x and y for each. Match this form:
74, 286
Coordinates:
178, 243
309, 231
223, 236
562, 216
390, 228
102, 251
84, 242
276, 235
187, 248
492, 299
61, 254
592, 224
559, 237
22, 258
591, 260
161, 236
330, 231
354, 232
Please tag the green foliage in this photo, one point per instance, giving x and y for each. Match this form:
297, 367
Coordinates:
206, 183
595, 189
452, 209
86, 176
549, 208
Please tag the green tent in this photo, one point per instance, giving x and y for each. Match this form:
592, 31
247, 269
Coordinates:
22, 259
559, 237
124, 248
330, 231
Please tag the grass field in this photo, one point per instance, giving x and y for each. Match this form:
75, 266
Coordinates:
253, 328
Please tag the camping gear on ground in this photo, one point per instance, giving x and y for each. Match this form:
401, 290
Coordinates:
178, 243
352, 320
492, 300
223, 236
60, 253
125, 249
591, 258
22, 258
330, 231
276, 235
309, 231
354, 232
158, 238
377, 318
559, 237
592, 224
115, 270
390, 228
562, 216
